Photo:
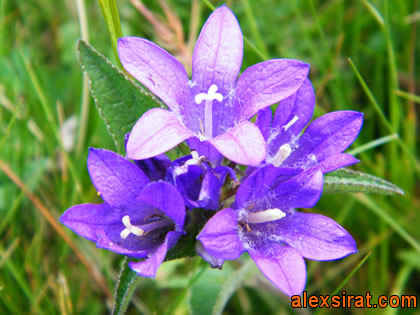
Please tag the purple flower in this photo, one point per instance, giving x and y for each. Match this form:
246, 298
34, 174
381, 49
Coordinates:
138, 218
321, 144
212, 110
198, 182
264, 223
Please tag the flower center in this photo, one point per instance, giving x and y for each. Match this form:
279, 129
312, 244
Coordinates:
129, 228
265, 216
281, 155
142, 229
209, 97
291, 122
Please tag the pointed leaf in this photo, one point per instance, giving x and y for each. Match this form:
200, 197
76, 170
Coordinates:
120, 101
124, 289
345, 181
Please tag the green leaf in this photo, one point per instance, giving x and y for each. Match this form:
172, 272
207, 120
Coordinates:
204, 293
351, 181
120, 101
124, 289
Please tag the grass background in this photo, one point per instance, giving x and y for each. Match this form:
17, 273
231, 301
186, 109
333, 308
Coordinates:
45, 269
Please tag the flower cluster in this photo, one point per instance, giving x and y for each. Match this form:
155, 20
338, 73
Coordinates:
245, 180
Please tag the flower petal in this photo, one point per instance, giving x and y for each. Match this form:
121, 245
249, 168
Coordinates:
155, 168
330, 134
156, 69
204, 148
302, 191
166, 198
315, 236
83, 219
116, 179
263, 121
105, 242
110, 226
149, 267
213, 261
285, 269
217, 56
292, 114
220, 237
283, 188
243, 144
267, 83
337, 161
156, 132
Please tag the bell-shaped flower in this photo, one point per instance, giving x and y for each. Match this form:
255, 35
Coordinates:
139, 218
263, 222
212, 110
322, 142
198, 182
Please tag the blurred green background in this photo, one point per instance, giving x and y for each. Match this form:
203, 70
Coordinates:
48, 120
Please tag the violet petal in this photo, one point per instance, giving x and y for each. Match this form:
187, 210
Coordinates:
116, 179
166, 198
217, 56
263, 121
291, 116
243, 144
337, 161
83, 219
285, 269
280, 187
267, 83
156, 69
302, 191
315, 237
157, 131
148, 267
219, 236
330, 134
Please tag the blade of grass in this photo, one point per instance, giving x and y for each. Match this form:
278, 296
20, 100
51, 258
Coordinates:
347, 279
373, 144
193, 278
351, 274
56, 226
378, 109
395, 108
370, 204
254, 29
46, 108
408, 96
375, 13
84, 110
246, 39
112, 19
400, 283
20, 280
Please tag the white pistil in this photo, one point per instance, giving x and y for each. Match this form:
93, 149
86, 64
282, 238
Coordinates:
291, 123
129, 228
265, 216
209, 97
281, 155
195, 159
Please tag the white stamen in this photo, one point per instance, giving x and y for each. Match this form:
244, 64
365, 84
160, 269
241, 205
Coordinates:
209, 97
265, 216
281, 155
129, 228
291, 123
